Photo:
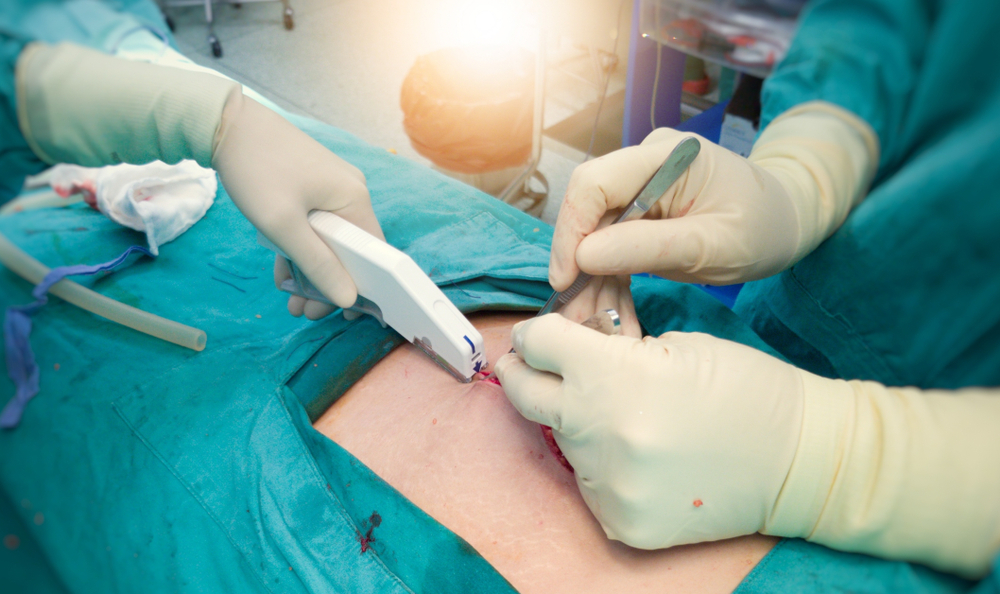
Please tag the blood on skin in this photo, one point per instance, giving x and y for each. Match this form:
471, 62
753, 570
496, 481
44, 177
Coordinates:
550, 441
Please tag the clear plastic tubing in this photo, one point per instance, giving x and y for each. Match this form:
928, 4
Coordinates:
38, 200
34, 271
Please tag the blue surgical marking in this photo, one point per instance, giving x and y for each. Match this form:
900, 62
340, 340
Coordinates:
470, 344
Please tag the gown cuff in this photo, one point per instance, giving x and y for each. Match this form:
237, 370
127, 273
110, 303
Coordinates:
825, 157
77, 105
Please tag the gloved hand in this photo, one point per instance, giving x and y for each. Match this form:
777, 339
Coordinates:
77, 105
606, 292
678, 439
689, 438
276, 175
727, 219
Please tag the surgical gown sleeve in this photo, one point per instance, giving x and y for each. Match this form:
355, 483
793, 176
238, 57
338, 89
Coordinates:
863, 55
95, 24
898, 473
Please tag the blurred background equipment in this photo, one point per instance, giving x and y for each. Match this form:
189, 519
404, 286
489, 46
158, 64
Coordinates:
475, 108
603, 74
748, 35
288, 16
483, 109
469, 110
697, 53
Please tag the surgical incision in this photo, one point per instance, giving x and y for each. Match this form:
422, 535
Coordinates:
550, 440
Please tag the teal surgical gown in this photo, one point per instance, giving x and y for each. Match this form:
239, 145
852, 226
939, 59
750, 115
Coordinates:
907, 291
163, 470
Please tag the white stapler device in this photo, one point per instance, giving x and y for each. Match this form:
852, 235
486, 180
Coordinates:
393, 289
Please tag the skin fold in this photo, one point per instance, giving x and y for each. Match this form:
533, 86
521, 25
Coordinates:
464, 455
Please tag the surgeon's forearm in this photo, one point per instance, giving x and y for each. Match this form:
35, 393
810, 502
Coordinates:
825, 157
77, 105
897, 472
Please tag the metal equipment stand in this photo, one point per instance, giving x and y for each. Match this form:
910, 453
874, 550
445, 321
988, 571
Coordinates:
521, 185
213, 41
642, 72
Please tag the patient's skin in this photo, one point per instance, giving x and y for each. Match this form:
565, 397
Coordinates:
464, 455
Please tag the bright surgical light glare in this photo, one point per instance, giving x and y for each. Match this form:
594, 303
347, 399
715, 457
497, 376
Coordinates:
484, 22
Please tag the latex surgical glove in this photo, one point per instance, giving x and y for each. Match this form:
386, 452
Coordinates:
606, 292
687, 438
276, 174
727, 219
675, 440
76, 105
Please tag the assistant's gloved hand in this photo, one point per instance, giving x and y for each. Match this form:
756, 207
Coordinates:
276, 174
678, 439
77, 105
689, 438
727, 219
606, 292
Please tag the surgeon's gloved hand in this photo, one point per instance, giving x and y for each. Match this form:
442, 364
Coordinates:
679, 439
688, 438
276, 174
606, 292
727, 219
77, 105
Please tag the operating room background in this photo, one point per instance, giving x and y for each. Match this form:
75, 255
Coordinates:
345, 61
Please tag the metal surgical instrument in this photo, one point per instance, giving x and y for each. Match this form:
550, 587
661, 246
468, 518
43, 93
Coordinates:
676, 164
605, 321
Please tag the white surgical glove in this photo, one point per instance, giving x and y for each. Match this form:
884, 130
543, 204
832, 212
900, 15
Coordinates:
675, 440
727, 219
689, 438
76, 105
276, 174
606, 292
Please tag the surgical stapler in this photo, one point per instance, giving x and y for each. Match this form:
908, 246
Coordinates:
393, 289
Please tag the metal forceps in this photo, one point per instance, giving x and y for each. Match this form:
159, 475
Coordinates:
675, 165
605, 321
677, 162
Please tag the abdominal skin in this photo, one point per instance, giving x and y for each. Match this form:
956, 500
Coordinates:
550, 440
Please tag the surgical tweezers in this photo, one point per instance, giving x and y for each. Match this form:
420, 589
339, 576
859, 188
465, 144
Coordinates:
673, 167
676, 164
